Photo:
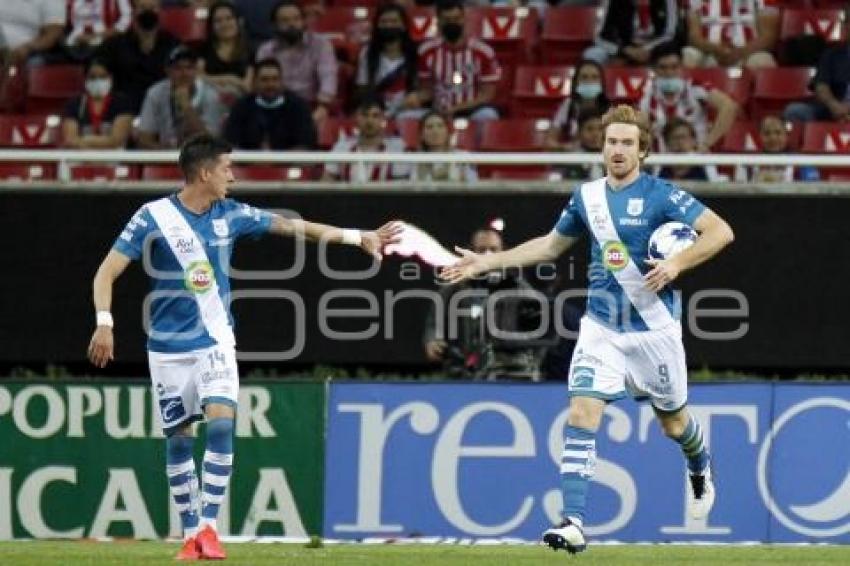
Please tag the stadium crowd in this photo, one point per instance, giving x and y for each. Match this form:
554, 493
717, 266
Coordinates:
367, 75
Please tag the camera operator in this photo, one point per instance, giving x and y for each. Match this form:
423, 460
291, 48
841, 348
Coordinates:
463, 342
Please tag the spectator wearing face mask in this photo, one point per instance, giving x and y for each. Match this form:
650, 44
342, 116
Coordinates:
307, 60
137, 57
458, 74
271, 117
587, 93
387, 65
99, 118
670, 95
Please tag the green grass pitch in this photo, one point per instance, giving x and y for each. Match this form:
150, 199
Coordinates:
25, 553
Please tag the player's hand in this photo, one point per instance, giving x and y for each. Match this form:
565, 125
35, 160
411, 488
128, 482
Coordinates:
663, 273
468, 266
435, 349
373, 242
102, 347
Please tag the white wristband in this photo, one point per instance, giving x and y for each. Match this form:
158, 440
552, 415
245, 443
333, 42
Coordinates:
351, 237
104, 318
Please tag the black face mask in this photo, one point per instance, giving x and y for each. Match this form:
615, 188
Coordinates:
451, 31
147, 20
389, 35
290, 36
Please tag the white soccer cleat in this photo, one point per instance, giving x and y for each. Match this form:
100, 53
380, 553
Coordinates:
701, 495
567, 536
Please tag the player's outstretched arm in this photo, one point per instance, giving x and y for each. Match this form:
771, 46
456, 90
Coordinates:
543, 248
102, 346
714, 235
370, 241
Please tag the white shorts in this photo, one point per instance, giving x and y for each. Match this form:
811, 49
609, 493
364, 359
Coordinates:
183, 383
606, 364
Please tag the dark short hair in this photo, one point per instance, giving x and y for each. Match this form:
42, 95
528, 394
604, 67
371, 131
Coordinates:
446, 5
370, 100
587, 115
97, 61
284, 4
665, 50
268, 62
200, 150
674, 124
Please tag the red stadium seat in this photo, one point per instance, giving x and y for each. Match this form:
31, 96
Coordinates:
408, 130
826, 137
422, 23
513, 136
737, 83
773, 89
161, 172
333, 129
567, 32
282, 173
188, 24
538, 91
29, 130
511, 32
344, 25
744, 137
829, 24
464, 135
625, 85
10, 171
103, 172
49, 87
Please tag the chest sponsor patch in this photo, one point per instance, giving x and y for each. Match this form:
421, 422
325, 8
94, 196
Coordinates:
199, 276
615, 256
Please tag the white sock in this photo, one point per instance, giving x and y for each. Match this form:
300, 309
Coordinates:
190, 533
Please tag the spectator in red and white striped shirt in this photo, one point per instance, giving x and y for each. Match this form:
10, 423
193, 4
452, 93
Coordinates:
670, 95
371, 122
731, 32
458, 74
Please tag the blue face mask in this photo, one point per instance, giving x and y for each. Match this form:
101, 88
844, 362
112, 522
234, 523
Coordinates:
269, 104
588, 90
671, 85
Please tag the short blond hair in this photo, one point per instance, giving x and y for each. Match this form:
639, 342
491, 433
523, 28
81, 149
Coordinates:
625, 114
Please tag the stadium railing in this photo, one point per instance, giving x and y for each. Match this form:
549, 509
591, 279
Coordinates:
63, 159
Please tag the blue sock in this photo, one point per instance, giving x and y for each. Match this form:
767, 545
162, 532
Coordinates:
693, 446
218, 465
577, 467
183, 480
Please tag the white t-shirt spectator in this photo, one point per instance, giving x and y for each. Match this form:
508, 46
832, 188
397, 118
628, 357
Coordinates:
22, 20
365, 172
96, 17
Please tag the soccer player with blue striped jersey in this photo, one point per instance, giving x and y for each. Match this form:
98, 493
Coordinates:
186, 241
630, 339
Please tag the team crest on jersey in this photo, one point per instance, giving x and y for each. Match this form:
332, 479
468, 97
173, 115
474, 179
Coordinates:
220, 227
635, 206
199, 276
615, 256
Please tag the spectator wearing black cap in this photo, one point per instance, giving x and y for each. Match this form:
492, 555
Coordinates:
271, 117
180, 106
137, 57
